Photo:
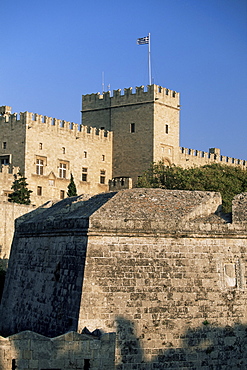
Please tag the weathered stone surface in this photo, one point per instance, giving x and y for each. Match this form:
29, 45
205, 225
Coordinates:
158, 267
70, 351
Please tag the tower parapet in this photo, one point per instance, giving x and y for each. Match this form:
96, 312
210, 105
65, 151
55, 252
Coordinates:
128, 97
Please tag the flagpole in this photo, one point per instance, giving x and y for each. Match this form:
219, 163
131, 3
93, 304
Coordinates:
149, 60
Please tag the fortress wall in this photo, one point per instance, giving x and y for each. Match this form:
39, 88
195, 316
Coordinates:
54, 274
191, 157
28, 350
176, 296
9, 212
153, 265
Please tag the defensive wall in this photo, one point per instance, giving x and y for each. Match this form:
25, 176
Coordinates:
161, 268
192, 157
28, 350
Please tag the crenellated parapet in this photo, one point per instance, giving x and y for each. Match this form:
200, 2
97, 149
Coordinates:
34, 120
128, 96
200, 158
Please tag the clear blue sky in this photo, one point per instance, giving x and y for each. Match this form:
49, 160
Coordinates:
53, 51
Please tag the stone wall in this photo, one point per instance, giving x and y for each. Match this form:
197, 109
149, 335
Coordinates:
9, 212
28, 350
162, 268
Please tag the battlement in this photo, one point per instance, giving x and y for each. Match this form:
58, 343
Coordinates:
31, 120
128, 96
199, 157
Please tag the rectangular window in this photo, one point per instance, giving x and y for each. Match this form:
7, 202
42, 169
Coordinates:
39, 190
51, 182
102, 177
4, 145
4, 159
63, 150
39, 166
40, 146
132, 127
62, 194
62, 170
103, 157
84, 174
85, 154
166, 129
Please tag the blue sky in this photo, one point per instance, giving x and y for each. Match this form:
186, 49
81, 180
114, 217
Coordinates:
53, 51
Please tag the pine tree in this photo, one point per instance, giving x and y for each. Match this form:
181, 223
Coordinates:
20, 194
72, 191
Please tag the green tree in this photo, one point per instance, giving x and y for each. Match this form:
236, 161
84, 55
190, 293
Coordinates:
228, 180
72, 191
20, 194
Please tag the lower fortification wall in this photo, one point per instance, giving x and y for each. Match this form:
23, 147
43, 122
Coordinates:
175, 302
28, 350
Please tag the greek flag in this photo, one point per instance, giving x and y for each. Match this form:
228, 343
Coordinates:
143, 40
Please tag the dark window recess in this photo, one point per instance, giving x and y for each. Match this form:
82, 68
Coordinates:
167, 129
132, 127
86, 364
39, 190
102, 177
14, 366
4, 145
4, 159
62, 194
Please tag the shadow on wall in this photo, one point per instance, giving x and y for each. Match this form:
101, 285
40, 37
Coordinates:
206, 347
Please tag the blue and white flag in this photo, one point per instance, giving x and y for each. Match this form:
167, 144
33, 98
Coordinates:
143, 40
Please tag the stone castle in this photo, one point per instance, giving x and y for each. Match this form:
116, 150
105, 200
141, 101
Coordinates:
120, 136
159, 273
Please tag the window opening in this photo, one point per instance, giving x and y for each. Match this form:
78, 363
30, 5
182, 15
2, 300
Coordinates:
84, 174
39, 166
85, 154
166, 129
62, 194
103, 157
39, 190
102, 177
40, 146
63, 150
132, 127
62, 170
4, 145
4, 160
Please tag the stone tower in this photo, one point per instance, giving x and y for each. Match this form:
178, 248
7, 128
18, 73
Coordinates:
145, 126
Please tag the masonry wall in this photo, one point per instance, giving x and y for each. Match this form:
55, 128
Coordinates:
28, 350
13, 134
85, 151
9, 212
171, 300
140, 122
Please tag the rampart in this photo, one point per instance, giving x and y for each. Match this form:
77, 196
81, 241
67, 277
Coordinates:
28, 350
162, 268
128, 97
192, 157
53, 124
